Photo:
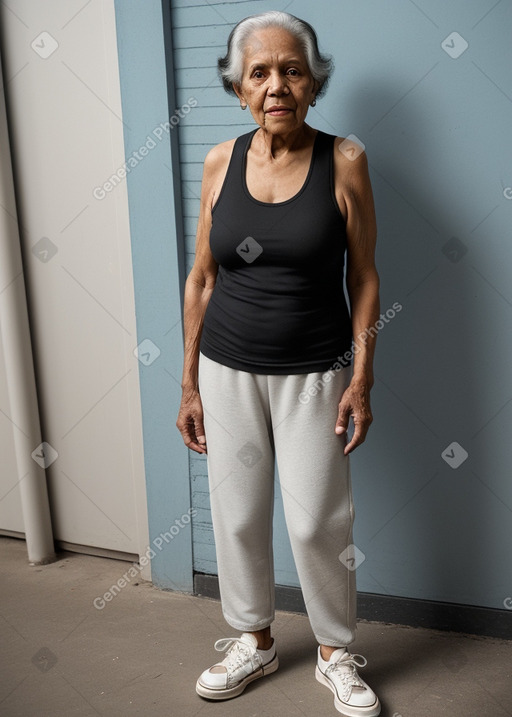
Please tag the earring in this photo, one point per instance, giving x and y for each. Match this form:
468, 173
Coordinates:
243, 107
313, 103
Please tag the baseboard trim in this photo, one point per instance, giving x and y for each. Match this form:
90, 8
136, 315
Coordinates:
12, 534
412, 612
93, 550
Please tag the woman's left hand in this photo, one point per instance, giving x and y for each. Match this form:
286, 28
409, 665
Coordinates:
355, 403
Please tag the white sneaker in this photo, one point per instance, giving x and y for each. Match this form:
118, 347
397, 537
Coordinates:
352, 696
243, 664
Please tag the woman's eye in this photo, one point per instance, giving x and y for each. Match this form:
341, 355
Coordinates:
295, 72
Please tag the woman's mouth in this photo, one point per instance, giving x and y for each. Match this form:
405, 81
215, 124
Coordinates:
281, 112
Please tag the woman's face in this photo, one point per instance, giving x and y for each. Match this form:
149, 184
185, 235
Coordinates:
276, 73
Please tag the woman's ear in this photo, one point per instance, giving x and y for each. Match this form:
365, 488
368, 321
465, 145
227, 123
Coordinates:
238, 92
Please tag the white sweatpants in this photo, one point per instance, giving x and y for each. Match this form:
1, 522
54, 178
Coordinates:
250, 420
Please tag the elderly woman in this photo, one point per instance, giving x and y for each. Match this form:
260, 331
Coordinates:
271, 370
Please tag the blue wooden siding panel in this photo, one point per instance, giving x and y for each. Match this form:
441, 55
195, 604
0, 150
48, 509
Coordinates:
199, 34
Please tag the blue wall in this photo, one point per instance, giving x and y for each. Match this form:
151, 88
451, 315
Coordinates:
147, 91
436, 130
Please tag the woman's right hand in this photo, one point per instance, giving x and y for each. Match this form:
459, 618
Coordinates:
190, 421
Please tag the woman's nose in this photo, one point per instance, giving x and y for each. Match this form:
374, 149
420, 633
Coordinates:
277, 84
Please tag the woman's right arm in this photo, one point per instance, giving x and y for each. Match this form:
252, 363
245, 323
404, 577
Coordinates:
198, 290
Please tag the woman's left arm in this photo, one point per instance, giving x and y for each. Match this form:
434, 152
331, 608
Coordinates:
354, 193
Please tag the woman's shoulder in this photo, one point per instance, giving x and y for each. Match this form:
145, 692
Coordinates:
350, 160
350, 149
215, 168
216, 162
220, 152
218, 157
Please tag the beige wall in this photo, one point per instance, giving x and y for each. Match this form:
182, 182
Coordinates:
66, 134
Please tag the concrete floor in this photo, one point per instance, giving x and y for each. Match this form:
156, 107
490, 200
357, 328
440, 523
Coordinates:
143, 652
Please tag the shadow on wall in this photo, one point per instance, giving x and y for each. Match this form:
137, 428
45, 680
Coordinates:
427, 521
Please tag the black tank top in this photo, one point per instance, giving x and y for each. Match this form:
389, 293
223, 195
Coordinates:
278, 305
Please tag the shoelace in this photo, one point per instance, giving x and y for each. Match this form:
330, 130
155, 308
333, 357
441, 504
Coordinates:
349, 677
237, 653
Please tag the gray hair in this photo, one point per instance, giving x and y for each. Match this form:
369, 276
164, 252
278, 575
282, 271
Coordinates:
231, 66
